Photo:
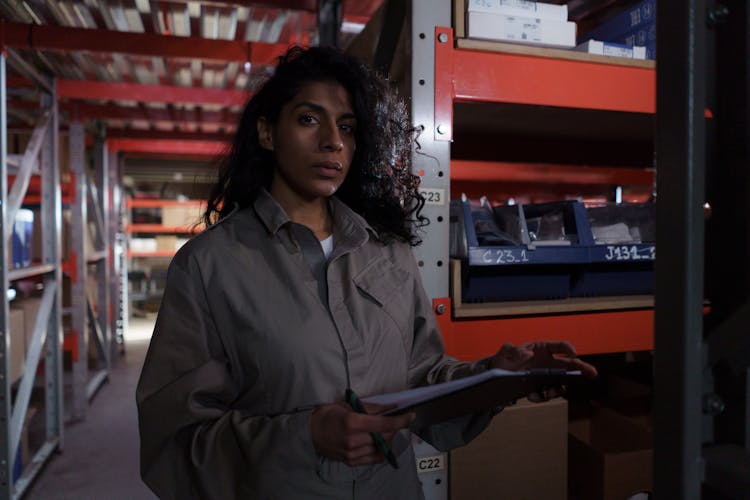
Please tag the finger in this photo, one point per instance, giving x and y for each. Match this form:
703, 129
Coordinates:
534, 397
574, 364
376, 409
368, 459
546, 394
558, 347
354, 440
376, 423
515, 353
511, 357
363, 454
589, 371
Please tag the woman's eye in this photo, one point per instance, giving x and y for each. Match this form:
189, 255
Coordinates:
346, 128
308, 119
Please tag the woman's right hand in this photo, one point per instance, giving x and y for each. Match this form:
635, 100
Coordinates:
341, 434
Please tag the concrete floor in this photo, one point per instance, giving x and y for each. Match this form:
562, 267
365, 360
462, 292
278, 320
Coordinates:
100, 456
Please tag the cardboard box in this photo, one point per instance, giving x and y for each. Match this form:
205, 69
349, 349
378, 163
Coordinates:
143, 244
166, 243
631, 399
610, 457
180, 216
522, 455
17, 345
30, 308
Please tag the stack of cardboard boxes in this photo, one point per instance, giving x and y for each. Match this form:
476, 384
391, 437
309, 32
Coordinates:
521, 455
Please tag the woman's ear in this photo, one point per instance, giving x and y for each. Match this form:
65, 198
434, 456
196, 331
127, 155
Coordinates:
265, 133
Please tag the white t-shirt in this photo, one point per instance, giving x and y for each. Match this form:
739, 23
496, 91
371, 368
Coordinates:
327, 245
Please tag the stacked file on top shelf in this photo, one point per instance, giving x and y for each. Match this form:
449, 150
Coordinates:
520, 21
612, 49
633, 26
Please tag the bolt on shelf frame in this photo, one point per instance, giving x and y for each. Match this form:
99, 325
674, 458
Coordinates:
47, 333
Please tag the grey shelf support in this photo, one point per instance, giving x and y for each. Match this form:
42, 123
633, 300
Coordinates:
117, 236
40, 157
100, 200
434, 156
79, 257
6, 457
680, 142
434, 160
51, 255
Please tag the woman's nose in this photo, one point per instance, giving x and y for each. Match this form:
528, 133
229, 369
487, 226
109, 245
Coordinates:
331, 139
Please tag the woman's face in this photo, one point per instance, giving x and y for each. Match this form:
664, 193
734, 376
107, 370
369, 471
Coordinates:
312, 142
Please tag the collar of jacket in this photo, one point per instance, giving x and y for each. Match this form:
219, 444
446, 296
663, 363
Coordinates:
348, 225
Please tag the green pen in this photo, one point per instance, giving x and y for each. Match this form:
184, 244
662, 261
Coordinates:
377, 438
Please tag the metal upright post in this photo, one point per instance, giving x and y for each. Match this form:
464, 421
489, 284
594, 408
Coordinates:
115, 241
51, 223
6, 471
101, 176
433, 160
680, 145
79, 259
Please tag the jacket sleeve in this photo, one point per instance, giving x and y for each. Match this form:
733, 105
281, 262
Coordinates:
194, 442
430, 365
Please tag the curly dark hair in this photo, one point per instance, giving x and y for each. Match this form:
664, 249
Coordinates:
380, 185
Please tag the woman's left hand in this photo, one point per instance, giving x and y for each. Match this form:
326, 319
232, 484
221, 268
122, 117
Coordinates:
541, 354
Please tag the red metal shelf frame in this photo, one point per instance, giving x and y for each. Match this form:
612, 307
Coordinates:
593, 333
157, 253
158, 228
150, 203
464, 170
478, 76
473, 75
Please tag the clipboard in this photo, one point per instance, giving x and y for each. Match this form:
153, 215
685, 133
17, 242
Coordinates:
485, 391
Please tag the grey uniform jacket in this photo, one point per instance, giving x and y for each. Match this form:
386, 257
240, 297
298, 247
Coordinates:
244, 347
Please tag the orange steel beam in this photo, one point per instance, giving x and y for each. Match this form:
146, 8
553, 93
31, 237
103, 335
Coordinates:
543, 173
471, 75
129, 133
84, 110
157, 253
151, 203
158, 228
590, 333
65, 39
80, 110
166, 146
112, 91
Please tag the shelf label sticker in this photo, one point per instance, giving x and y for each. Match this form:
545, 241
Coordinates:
433, 196
630, 252
431, 464
500, 256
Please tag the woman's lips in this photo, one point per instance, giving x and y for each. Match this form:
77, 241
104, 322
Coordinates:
328, 168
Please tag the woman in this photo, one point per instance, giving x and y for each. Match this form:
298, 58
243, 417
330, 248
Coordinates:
294, 295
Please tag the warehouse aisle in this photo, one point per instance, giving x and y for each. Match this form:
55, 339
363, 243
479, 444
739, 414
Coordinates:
100, 459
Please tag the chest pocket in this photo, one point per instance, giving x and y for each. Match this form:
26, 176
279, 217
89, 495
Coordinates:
389, 287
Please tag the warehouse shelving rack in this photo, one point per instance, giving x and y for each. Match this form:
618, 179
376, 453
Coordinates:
462, 73
42, 151
445, 72
148, 289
